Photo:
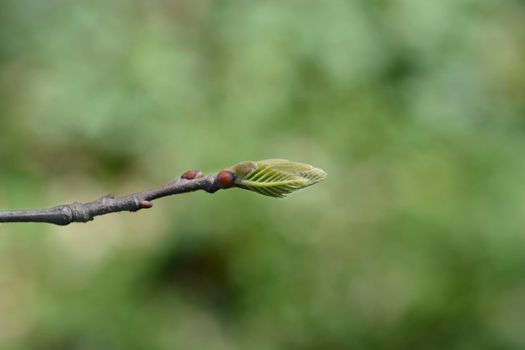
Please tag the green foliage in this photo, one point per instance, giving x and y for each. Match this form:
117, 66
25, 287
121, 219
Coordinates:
276, 177
415, 109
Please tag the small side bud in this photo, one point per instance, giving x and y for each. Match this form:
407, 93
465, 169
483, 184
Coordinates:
191, 174
145, 204
226, 179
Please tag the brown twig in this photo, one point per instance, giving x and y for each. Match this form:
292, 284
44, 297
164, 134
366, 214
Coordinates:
271, 177
83, 212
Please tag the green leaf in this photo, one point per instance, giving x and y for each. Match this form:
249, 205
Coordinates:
275, 177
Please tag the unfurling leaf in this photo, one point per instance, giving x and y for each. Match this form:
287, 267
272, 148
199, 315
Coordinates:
275, 177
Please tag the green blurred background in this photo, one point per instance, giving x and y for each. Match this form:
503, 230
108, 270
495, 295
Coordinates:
415, 108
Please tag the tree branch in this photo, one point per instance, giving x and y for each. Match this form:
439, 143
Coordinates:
271, 177
83, 212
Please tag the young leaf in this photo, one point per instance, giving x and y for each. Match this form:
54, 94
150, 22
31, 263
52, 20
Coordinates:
275, 177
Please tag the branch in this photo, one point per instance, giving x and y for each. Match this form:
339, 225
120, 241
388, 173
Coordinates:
83, 212
271, 177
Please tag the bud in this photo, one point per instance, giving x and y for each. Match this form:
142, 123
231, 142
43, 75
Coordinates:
191, 174
275, 177
226, 179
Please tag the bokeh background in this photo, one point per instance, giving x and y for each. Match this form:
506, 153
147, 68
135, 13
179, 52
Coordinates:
416, 109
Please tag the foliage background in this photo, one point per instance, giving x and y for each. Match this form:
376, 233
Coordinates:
414, 108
